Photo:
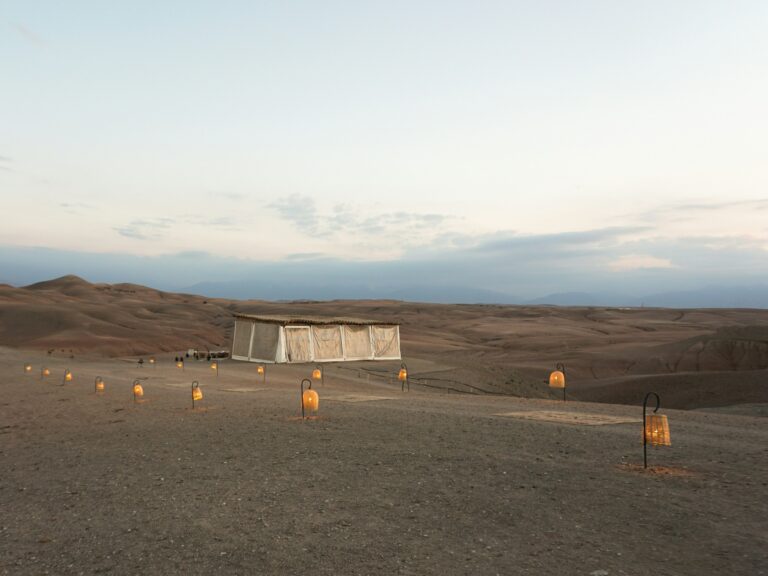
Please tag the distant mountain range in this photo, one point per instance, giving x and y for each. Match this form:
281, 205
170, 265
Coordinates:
705, 297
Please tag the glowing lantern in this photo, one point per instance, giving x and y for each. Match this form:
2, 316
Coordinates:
215, 366
655, 428
197, 393
262, 371
557, 378
152, 361
27, 368
138, 390
317, 374
44, 372
310, 401
67, 377
180, 364
99, 384
403, 377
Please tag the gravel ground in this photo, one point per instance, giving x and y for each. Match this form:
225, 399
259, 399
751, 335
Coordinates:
381, 482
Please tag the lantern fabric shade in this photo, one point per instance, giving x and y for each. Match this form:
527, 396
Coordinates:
197, 393
310, 400
657, 430
557, 379
317, 374
99, 384
138, 390
402, 375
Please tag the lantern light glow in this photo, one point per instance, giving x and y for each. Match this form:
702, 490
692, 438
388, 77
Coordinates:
99, 384
138, 390
403, 377
310, 401
557, 378
197, 393
27, 368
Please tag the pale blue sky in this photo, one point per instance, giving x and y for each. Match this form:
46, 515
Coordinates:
390, 132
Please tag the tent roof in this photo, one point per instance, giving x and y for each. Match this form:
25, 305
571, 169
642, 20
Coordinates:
313, 320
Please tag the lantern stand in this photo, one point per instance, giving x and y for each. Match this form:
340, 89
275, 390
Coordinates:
262, 369
309, 387
645, 437
137, 392
561, 367
197, 394
318, 374
403, 377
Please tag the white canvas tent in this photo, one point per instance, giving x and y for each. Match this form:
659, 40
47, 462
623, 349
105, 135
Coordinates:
282, 339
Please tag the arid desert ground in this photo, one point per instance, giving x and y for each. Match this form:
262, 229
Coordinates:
478, 469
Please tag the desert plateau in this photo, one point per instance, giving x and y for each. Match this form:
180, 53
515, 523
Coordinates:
479, 468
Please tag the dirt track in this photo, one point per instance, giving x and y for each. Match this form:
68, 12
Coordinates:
416, 483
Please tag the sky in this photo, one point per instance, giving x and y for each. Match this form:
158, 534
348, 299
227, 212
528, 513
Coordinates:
441, 150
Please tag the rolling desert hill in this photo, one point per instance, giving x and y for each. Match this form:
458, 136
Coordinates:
701, 358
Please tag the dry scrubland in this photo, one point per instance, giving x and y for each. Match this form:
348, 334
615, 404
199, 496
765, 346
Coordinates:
383, 482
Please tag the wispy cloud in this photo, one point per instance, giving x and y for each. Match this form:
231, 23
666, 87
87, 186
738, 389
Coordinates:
218, 194
28, 35
228, 223
145, 229
303, 213
300, 211
4, 163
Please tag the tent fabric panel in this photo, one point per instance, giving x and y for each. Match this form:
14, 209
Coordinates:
385, 342
242, 339
357, 342
265, 340
326, 341
298, 345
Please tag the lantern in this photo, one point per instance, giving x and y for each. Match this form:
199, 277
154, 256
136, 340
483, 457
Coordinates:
317, 374
403, 377
215, 366
310, 401
657, 430
180, 364
67, 377
655, 427
99, 384
197, 393
44, 372
262, 371
557, 378
151, 360
138, 390
27, 368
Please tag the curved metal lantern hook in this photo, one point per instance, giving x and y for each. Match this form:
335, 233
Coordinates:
645, 436
301, 394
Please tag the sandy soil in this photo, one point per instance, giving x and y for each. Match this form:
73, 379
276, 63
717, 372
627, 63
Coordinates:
382, 482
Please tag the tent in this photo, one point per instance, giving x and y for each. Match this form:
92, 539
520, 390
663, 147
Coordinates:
283, 339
